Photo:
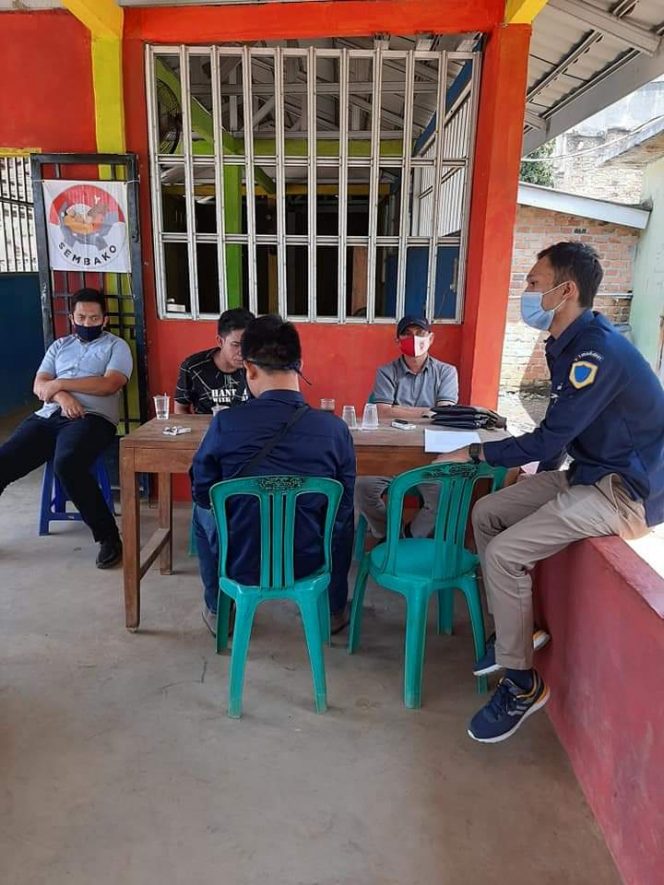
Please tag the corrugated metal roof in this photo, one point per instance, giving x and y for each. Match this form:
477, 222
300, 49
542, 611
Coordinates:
13, 6
583, 207
572, 59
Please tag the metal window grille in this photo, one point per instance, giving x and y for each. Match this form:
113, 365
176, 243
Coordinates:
306, 180
18, 252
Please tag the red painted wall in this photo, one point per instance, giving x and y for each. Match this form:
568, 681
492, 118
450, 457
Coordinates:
46, 98
346, 18
604, 608
493, 210
340, 361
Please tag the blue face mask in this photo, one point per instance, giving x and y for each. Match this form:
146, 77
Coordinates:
532, 312
88, 333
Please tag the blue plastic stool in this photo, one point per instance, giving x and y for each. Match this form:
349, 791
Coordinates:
54, 497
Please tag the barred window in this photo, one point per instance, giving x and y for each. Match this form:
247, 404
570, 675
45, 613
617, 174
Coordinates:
324, 183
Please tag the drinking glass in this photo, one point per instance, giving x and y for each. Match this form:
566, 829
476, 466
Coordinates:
327, 405
370, 417
348, 415
161, 407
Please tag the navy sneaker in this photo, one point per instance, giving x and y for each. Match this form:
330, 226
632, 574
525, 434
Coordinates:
507, 709
487, 663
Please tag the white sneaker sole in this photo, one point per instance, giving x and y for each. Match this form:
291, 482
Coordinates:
540, 639
503, 737
209, 625
492, 668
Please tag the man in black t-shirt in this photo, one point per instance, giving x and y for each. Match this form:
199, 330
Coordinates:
215, 377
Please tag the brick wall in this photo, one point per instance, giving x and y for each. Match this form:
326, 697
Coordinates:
587, 174
524, 365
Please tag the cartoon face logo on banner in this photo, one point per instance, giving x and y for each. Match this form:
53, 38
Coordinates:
87, 225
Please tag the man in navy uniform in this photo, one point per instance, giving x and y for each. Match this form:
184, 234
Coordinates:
318, 444
607, 414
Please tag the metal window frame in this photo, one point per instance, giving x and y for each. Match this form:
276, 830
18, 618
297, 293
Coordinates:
18, 248
449, 125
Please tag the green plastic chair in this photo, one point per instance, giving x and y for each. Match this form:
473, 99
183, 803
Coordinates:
277, 497
361, 527
418, 567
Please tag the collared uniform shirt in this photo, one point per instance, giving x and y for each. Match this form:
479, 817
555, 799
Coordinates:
396, 385
606, 411
202, 385
69, 357
319, 444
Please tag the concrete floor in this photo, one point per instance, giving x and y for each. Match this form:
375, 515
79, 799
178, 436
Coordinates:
120, 765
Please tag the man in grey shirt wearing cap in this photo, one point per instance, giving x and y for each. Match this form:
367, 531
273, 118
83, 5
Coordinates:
407, 388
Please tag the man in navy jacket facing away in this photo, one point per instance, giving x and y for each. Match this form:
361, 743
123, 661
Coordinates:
318, 444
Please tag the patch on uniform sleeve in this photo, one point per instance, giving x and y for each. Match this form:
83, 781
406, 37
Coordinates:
582, 373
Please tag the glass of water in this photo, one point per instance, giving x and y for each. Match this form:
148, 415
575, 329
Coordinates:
162, 407
348, 415
370, 417
328, 405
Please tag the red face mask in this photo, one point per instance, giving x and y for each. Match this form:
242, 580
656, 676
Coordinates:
415, 345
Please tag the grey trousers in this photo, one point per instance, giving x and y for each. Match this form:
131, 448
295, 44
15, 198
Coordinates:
529, 521
369, 500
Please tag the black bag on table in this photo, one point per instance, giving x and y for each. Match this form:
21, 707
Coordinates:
468, 418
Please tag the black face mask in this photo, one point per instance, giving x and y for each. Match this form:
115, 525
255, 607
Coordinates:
88, 333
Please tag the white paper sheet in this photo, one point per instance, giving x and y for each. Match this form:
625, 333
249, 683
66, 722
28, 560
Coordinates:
443, 441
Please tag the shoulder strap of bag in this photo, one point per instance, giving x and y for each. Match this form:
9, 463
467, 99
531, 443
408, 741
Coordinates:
261, 455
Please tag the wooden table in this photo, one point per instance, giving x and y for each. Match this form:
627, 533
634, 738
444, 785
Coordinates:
148, 450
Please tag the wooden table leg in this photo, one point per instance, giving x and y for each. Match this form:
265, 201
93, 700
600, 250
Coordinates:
165, 498
131, 538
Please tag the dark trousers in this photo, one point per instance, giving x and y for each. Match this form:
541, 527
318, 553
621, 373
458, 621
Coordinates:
74, 445
205, 529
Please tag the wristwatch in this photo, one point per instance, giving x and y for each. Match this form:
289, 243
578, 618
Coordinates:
474, 450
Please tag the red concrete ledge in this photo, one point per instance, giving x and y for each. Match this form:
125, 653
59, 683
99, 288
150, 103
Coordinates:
604, 607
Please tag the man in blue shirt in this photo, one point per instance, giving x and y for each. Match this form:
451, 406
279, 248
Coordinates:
607, 414
407, 388
319, 444
79, 381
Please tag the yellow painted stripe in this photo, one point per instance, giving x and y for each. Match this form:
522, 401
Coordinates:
18, 152
522, 12
103, 18
107, 86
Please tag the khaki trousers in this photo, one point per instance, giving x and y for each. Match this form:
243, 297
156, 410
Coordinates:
370, 501
529, 521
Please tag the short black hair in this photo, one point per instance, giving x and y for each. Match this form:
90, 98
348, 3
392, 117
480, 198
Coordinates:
232, 320
273, 344
579, 262
94, 296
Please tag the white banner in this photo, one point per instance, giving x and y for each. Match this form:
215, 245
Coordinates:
87, 225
